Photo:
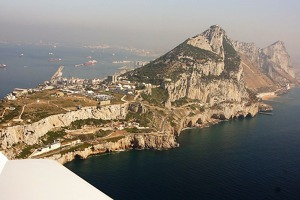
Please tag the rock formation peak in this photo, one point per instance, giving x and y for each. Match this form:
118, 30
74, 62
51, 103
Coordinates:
210, 40
279, 42
272, 62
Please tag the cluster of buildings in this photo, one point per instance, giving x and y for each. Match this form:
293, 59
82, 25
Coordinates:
18, 92
122, 125
93, 88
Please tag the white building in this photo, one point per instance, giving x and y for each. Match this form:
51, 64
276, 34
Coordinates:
51, 147
19, 92
11, 97
103, 97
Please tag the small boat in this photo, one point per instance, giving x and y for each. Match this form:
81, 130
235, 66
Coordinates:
2, 66
55, 59
90, 62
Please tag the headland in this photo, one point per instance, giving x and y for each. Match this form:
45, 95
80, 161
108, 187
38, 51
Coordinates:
198, 83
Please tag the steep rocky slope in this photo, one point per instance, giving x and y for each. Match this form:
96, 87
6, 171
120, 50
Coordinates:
205, 68
135, 141
29, 134
271, 66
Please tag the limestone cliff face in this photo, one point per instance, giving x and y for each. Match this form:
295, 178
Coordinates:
30, 133
250, 50
210, 40
205, 68
277, 56
211, 92
271, 65
188, 117
134, 141
216, 78
205, 71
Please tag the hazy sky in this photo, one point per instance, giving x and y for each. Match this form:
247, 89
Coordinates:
156, 24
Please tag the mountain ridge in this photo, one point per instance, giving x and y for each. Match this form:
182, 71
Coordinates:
221, 57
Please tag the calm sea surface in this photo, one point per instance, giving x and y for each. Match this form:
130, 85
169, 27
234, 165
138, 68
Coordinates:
33, 68
256, 158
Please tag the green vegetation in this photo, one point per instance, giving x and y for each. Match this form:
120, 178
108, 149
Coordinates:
151, 73
139, 87
116, 97
158, 96
197, 53
202, 109
169, 66
11, 114
136, 130
27, 151
191, 114
172, 121
103, 133
180, 102
78, 124
80, 147
50, 136
86, 137
173, 124
252, 96
232, 59
97, 134
161, 112
115, 139
144, 119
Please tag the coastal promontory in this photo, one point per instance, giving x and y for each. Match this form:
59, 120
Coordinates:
204, 80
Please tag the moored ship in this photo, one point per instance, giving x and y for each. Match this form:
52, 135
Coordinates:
2, 66
55, 59
90, 62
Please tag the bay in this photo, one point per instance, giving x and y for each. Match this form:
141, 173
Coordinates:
28, 65
253, 158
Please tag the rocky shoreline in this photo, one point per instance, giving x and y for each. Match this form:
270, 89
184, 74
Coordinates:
157, 141
134, 141
162, 139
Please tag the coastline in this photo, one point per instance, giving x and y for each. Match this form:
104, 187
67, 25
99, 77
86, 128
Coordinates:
269, 97
134, 142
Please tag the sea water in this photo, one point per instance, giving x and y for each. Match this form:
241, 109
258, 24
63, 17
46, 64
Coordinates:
253, 158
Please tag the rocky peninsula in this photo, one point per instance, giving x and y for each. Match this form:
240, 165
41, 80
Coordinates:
204, 80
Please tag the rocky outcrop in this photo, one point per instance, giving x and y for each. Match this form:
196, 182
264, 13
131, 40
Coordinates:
217, 78
187, 117
271, 66
210, 40
30, 133
208, 92
136, 107
135, 141
205, 69
276, 55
